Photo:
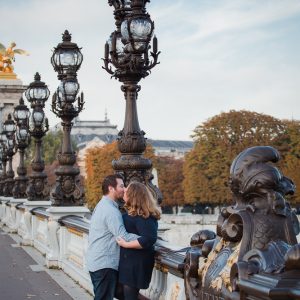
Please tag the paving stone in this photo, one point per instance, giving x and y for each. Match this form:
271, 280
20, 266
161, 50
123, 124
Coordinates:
37, 268
19, 278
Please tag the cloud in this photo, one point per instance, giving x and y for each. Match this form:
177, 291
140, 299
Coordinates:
216, 55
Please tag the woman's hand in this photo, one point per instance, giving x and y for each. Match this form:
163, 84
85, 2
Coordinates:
132, 244
121, 242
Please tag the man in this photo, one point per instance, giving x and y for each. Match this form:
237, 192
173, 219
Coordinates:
103, 251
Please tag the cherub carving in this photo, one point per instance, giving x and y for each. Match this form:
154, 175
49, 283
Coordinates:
7, 57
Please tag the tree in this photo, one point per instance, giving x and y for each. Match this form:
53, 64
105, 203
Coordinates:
217, 142
50, 147
291, 165
98, 166
170, 177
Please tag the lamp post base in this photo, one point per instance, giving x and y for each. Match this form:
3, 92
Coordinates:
30, 205
3, 210
57, 212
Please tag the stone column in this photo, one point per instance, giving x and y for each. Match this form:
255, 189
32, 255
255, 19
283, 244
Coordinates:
11, 90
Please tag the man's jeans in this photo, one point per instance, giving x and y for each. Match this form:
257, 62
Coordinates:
104, 283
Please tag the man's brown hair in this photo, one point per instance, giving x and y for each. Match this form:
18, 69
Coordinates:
110, 180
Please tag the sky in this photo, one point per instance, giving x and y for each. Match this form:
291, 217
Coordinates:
216, 55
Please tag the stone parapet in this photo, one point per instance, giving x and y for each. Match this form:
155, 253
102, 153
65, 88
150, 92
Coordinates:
71, 244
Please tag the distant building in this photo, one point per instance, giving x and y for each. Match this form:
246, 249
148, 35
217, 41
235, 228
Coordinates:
175, 149
84, 132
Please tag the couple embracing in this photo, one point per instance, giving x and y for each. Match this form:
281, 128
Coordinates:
121, 250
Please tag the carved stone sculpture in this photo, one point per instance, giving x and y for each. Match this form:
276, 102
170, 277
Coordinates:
255, 254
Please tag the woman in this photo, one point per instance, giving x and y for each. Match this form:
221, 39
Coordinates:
137, 257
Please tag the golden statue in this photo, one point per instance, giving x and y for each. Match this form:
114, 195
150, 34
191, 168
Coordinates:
7, 57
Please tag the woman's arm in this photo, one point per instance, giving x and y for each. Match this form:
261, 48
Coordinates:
147, 229
133, 244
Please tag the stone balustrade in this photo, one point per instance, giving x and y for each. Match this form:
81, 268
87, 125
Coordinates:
66, 242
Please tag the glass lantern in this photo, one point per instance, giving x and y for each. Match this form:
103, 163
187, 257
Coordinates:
118, 47
9, 126
38, 118
136, 33
21, 112
68, 89
11, 143
22, 134
66, 55
37, 92
3, 139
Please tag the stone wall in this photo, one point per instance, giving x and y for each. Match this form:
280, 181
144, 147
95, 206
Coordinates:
11, 91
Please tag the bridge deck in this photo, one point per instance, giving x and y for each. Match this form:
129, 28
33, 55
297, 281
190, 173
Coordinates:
22, 278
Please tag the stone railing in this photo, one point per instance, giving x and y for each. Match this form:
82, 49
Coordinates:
64, 245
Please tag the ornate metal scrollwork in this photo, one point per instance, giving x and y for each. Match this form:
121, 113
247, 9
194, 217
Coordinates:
255, 237
67, 190
127, 57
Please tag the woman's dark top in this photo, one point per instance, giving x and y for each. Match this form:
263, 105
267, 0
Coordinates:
136, 265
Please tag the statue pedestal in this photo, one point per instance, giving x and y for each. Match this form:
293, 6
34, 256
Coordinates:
11, 90
8, 76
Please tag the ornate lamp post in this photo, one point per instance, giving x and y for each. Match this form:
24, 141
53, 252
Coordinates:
9, 129
66, 61
2, 167
21, 116
128, 52
37, 94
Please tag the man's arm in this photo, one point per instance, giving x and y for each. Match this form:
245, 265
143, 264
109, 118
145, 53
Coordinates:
116, 227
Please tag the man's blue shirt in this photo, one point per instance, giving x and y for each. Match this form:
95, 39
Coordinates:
106, 225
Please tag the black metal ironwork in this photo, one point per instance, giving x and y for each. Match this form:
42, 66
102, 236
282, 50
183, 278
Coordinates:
128, 51
67, 190
37, 94
3, 159
21, 116
255, 253
9, 129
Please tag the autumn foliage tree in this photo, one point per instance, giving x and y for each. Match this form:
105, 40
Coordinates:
98, 164
291, 160
217, 142
170, 177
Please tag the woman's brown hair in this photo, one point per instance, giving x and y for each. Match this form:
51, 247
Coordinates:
141, 202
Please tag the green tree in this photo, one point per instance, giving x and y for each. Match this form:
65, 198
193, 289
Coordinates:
217, 142
51, 145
